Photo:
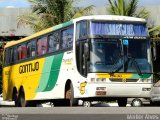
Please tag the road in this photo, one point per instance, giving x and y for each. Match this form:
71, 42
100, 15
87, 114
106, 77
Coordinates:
82, 113
99, 111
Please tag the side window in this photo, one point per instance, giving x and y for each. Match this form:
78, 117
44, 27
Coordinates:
31, 49
15, 54
53, 42
11, 57
19, 53
67, 38
22, 52
6, 60
81, 29
42, 46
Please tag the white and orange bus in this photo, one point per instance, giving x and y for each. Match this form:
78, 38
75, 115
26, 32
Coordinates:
90, 58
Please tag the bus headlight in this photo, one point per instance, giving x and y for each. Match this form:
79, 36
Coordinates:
100, 79
92, 79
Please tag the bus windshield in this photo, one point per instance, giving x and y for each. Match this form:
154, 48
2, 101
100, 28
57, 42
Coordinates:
113, 55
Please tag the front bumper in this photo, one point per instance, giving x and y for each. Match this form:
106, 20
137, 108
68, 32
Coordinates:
118, 90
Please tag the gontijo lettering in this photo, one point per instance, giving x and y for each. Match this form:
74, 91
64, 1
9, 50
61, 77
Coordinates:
31, 67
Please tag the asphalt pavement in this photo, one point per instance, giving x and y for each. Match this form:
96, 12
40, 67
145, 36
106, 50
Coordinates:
80, 113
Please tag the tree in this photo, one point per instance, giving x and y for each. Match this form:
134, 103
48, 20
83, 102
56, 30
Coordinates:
154, 31
126, 8
130, 8
1, 62
47, 13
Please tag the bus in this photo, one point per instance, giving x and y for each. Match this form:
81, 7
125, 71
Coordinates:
91, 58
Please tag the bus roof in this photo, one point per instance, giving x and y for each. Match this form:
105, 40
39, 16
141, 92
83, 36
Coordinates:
43, 32
110, 18
93, 17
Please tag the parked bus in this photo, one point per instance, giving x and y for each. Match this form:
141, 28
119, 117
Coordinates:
91, 58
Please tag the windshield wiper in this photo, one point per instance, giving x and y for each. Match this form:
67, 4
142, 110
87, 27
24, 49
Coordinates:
116, 66
136, 65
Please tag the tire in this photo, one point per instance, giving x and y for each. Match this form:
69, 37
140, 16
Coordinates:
136, 103
16, 103
122, 102
21, 99
51, 104
69, 97
87, 104
15, 98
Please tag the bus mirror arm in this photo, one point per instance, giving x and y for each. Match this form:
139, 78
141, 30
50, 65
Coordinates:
86, 50
154, 52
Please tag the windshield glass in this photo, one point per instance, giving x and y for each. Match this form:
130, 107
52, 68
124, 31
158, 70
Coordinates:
137, 52
114, 55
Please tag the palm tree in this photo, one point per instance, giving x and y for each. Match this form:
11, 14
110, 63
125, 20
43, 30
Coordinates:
1, 64
130, 8
154, 30
80, 11
126, 8
47, 13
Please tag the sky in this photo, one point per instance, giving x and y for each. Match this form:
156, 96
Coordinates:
24, 3
104, 2
14, 3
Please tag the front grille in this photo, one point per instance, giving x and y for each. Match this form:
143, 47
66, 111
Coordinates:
122, 80
115, 79
132, 80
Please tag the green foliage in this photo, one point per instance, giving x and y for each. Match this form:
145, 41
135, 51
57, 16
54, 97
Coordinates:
47, 13
155, 30
130, 8
0, 79
126, 8
78, 12
1, 61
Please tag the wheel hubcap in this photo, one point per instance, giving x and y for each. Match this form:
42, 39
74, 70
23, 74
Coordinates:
137, 103
86, 104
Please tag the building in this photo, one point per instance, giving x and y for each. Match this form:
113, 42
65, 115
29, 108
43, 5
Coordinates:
9, 29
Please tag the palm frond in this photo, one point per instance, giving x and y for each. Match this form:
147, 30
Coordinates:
46, 13
83, 11
26, 19
157, 28
131, 7
112, 8
127, 8
120, 7
142, 13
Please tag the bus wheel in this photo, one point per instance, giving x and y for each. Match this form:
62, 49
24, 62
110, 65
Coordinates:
136, 103
122, 102
69, 96
15, 98
21, 99
87, 104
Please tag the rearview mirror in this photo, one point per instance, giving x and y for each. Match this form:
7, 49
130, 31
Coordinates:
86, 50
154, 51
